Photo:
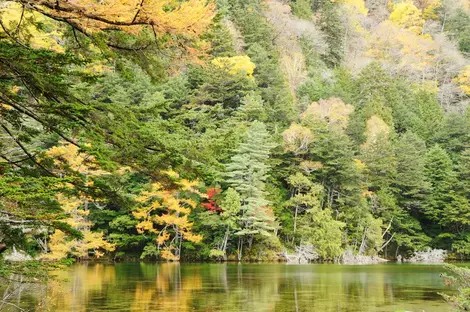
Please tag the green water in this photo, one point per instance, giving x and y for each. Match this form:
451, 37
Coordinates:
245, 287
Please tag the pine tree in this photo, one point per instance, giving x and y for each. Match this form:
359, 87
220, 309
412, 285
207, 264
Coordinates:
247, 173
439, 173
305, 195
330, 23
380, 161
410, 181
319, 228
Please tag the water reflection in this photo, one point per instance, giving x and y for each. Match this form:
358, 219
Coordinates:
247, 287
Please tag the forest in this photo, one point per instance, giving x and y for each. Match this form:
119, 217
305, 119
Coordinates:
239, 130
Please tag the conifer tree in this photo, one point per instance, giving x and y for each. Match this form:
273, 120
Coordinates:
410, 182
304, 195
438, 169
247, 173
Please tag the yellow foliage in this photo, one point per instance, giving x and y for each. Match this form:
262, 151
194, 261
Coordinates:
91, 241
165, 212
428, 86
431, 9
58, 247
333, 110
236, 64
171, 174
407, 51
406, 15
162, 238
359, 164
367, 193
12, 13
145, 225
189, 18
68, 155
297, 138
463, 80
62, 246
375, 127
195, 238
187, 185
357, 5
168, 254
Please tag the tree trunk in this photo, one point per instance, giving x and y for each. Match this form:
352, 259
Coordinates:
224, 245
240, 248
250, 241
295, 219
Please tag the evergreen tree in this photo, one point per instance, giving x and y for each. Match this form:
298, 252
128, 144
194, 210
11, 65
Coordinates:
247, 173
439, 173
222, 41
318, 228
379, 158
330, 23
305, 196
410, 182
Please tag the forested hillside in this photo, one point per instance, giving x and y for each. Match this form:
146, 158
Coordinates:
234, 130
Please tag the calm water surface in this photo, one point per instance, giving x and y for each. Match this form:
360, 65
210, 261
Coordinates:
246, 287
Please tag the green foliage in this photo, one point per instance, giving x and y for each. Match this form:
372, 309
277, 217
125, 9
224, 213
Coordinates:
216, 109
302, 8
460, 280
410, 181
439, 173
222, 41
320, 229
259, 38
150, 252
247, 173
330, 23
458, 26
222, 87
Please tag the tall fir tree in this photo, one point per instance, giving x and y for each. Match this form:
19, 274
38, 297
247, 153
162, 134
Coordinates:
247, 173
438, 169
410, 183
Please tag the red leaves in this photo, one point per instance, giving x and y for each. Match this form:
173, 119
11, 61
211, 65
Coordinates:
212, 191
211, 204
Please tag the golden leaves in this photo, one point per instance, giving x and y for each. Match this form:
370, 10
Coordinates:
333, 110
236, 64
166, 212
297, 138
463, 80
431, 9
357, 6
410, 53
406, 15
167, 254
144, 226
68, 155
189, 18
375, 127
162, 238
310, 166
17, 22
61, 246
195, 238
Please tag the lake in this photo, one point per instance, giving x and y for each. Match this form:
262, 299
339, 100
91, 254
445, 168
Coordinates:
245, 287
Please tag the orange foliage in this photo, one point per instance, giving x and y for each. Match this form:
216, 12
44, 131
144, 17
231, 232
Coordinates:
189, 18
165, 213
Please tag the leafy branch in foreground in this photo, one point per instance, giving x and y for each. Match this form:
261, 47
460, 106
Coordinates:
460, 279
